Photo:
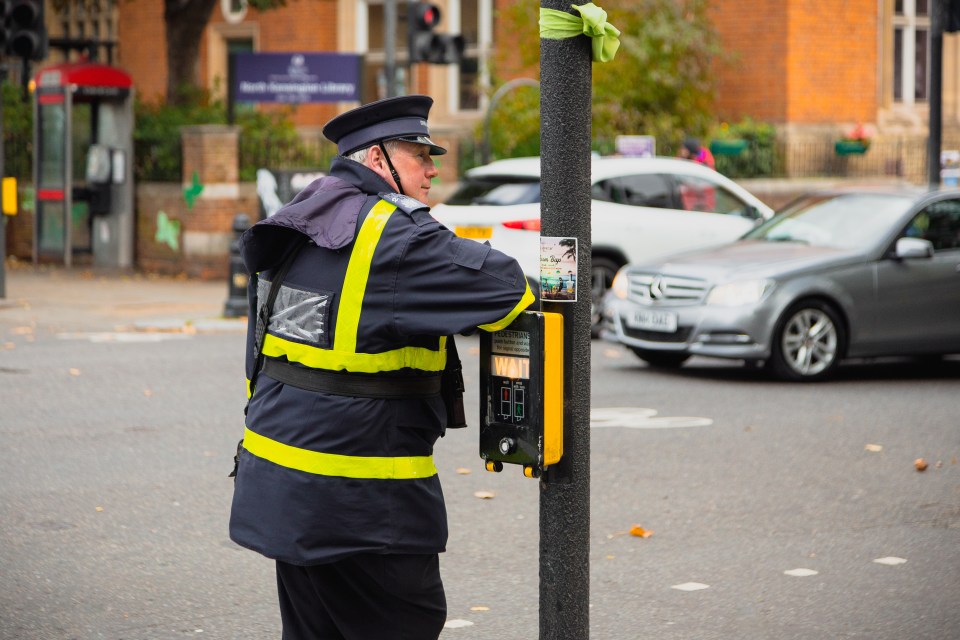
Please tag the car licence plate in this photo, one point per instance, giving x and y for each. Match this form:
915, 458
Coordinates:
663, 321
474, 233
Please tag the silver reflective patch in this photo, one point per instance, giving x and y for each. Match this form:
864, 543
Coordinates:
297, 314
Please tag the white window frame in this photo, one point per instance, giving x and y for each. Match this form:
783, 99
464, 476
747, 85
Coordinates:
909, 23
450, 24
481, 49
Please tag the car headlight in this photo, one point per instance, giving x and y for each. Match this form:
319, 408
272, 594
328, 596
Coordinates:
735, 294
621, 284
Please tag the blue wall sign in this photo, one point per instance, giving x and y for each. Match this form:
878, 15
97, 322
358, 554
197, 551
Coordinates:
295, 78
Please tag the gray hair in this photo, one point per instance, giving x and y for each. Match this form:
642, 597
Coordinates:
361, 156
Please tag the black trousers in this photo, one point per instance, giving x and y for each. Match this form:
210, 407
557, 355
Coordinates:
363, 597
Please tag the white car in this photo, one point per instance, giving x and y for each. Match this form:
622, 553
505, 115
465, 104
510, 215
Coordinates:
643, 209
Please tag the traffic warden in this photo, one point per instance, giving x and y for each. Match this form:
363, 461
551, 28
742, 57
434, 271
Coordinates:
335, 478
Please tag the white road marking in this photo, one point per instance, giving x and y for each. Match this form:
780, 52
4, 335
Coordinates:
890, 560
457, 624
690, 586
642, 418
801, 573
120, 336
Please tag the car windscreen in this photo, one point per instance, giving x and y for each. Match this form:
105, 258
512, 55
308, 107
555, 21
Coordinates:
845, 221
497, 191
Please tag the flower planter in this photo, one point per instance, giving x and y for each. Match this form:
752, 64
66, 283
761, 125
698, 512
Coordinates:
851, 147
728, 147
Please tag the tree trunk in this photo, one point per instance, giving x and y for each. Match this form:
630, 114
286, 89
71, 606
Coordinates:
185, 21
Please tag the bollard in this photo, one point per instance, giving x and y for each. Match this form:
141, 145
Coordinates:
237, 276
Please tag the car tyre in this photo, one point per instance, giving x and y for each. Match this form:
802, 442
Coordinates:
809, 342
661, 359
602, 272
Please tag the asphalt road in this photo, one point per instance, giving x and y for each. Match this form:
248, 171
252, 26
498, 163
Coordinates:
113, 513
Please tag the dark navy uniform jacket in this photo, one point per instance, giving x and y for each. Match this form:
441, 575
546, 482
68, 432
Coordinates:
374, 292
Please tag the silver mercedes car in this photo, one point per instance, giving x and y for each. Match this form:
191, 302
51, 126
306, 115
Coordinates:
841, 274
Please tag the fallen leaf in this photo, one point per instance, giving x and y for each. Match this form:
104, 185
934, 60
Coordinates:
640, 532
99, 509
876, 448
21, 331
74, 372
484, 495
481, 608
9, 345
147, 392
463, 471
920, 464
610, 557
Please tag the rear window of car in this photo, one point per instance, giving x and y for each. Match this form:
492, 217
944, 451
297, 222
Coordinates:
497, 191
639, 190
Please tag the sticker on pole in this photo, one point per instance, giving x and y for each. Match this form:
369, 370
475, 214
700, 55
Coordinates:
558, 269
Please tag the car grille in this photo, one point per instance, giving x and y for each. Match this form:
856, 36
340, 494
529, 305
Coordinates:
680, 335
654, 287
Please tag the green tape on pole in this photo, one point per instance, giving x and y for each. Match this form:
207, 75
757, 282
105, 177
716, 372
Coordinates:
558, 25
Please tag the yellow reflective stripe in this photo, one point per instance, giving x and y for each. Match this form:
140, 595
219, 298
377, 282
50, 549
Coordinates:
527, 299
414, 357
358, 271
331, 464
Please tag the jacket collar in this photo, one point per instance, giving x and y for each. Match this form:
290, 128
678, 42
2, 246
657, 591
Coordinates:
326, 211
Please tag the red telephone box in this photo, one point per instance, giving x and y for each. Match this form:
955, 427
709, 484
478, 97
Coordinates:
83, 164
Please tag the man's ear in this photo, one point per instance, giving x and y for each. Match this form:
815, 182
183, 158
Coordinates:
378, 164
374, 157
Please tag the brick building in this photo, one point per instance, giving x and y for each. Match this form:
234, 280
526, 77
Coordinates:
812, 68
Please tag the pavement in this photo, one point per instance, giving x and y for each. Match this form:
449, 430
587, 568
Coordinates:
57, 299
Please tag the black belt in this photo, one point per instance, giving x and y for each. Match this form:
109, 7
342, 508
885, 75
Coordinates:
352, 384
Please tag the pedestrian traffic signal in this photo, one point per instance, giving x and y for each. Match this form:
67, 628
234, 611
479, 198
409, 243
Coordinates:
24, 32
424, 44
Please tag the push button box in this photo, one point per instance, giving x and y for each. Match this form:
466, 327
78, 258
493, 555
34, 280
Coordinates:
521, 393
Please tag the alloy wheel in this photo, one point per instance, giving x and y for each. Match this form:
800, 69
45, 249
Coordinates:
810, 342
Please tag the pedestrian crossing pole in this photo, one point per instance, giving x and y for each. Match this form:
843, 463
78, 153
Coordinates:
3, 218
565, 135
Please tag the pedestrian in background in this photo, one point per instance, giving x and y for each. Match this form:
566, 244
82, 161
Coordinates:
357, 292
691, 149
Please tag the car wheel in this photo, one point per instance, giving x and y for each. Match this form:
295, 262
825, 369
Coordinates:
601, 277
661, 359
808, 343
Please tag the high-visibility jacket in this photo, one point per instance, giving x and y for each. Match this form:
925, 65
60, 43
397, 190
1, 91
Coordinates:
374, 292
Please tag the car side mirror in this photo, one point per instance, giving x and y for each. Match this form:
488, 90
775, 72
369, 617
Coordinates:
913, 248
750, 212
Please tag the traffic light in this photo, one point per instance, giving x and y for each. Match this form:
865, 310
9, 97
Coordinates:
24, 31
425, 45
